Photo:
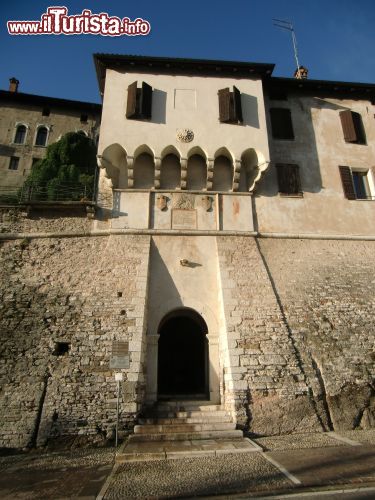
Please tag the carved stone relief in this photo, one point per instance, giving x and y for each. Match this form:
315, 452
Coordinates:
183, 201
162, 202
207, 202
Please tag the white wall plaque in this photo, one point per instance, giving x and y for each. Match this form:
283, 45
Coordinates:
184, 219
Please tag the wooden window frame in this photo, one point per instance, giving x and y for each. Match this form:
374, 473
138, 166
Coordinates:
348, 184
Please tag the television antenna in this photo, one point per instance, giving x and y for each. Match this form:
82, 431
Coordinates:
288, 26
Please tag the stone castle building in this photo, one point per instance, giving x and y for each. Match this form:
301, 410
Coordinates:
29, 123
230, 259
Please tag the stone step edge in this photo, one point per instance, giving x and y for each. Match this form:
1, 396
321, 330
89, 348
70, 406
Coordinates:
122, 456
184, 420
183, 427
187, 436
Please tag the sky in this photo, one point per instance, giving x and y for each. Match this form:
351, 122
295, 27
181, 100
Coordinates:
336, 40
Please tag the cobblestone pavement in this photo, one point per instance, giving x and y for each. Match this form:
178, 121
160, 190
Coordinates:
78, 473
297, 442
295, 465
195, 477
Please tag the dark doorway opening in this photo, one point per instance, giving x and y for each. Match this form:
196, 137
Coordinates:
183, 356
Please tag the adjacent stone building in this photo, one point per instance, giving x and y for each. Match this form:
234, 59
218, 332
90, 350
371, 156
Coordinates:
29, 123
230, 259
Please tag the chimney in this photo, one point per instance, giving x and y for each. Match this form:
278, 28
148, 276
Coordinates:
301, 73
13, 84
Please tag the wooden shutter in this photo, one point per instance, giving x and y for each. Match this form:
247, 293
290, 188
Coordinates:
131, 106
347, 182
237, 104
289, 179
358, 127
348, 126
224, 105
146, 101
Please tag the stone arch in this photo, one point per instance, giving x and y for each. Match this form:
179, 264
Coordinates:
144, 171
223, 170
183, 359
196, 169
170, 150
20, 133
253, 164
189, 303
114, 161
143, 148
210, 319
170, 172
197, 150
41, 135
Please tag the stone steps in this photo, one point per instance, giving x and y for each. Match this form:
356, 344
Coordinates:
173, 420
186, 414
187, 436
185, 420
183, 428
188, 406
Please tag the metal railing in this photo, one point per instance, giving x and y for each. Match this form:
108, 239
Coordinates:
32, 192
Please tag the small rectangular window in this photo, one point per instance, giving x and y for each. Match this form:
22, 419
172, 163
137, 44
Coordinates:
356, 184
13, 163
288, 179
352, 127
46, 112
281, 123
84, 118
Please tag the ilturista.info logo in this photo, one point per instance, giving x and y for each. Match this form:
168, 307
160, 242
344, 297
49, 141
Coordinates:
56, 21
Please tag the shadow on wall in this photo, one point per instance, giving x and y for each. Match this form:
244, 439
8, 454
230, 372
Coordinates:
302, 150
162, 287
250, 110
159, 106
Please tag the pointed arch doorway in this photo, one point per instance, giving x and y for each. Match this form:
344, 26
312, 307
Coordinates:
183, 356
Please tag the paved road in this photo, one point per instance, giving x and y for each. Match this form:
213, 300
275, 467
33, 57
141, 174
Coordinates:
304, 466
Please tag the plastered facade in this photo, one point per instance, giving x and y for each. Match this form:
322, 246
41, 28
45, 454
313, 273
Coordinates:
319, 149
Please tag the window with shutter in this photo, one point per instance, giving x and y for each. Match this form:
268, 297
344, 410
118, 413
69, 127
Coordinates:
281, 123
289, 179
357, 184
352, 127
139, 102
230, 108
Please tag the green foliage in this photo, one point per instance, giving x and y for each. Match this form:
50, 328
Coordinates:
67, 171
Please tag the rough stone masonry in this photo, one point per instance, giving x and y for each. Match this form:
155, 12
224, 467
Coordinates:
299, 317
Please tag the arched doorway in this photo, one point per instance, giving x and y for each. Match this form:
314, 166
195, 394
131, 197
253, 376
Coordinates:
183, 356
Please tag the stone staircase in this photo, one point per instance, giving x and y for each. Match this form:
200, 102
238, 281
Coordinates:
185, 420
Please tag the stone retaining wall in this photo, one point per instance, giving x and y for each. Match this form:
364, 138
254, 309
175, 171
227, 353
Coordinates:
84, 292
264, 377
297, 340
327, 293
